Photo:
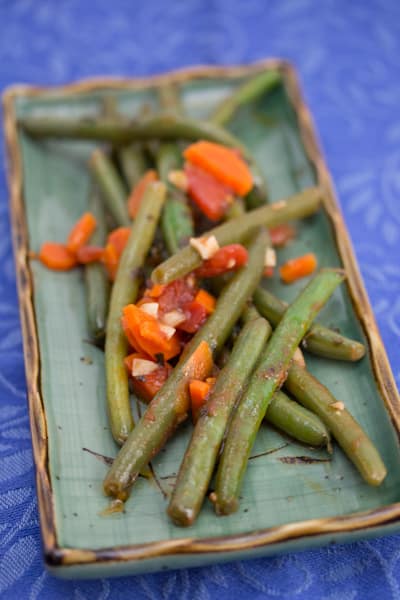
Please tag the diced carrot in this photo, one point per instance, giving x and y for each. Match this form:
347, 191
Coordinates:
206, 300
110, 260
282, 234
57, 256
89, 254
81, 232
224, 163
145, 334
199, 392
199, 365
119, 238
137, 193
299, 267
155, 291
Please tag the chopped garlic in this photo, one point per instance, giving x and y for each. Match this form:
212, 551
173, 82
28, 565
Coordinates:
151, 308
298, 358
337, 406
167, 330
173, 318
270, 258
278, 205
179, 179
141, 366
205, 246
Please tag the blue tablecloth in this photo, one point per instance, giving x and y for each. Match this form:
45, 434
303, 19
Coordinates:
348, 57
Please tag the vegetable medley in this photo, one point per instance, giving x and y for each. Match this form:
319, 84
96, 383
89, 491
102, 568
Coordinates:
175, 243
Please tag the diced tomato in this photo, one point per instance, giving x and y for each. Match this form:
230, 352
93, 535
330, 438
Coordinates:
147, 386
196, 315
210, 195
227, 258
89, 254
282, 234
175, 295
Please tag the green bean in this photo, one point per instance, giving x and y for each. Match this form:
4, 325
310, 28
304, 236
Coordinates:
295, 420
238, 230
268, 376
344, 428
122, 131
133, 164
176, 221
319, 339
96, 282
111, 186
124, 291
247, 92
198, 463
287, 415
164, 412
236, 209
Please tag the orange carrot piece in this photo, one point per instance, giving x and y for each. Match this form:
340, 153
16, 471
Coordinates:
57, 256
89, 254
110, 260
147, 386
299, 267
144, 333
81, 232
155, 291
206, 300
199, 392
224, 163
119, 238
136, 194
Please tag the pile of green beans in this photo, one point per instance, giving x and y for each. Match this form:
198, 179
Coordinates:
260, 369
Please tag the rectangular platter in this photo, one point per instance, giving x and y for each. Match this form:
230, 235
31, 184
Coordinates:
284, 507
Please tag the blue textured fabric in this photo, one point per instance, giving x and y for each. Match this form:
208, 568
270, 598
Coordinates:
347, 54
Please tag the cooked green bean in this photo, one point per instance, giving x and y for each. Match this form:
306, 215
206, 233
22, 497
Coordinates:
237, 230
198, 463
96, 281
236, 209
176, 220
318, 340
344, 428
122, 130
124, 291
132, 162
111, 186
269, 376
163, 415
247, 92
295, 420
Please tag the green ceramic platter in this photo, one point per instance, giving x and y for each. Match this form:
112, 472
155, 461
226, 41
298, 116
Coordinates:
284, 506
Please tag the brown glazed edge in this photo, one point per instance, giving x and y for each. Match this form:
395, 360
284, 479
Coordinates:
58, 556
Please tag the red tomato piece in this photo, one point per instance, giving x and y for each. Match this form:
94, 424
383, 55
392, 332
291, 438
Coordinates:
282, 234
196, 315
210, 195
228, 258
175, 295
